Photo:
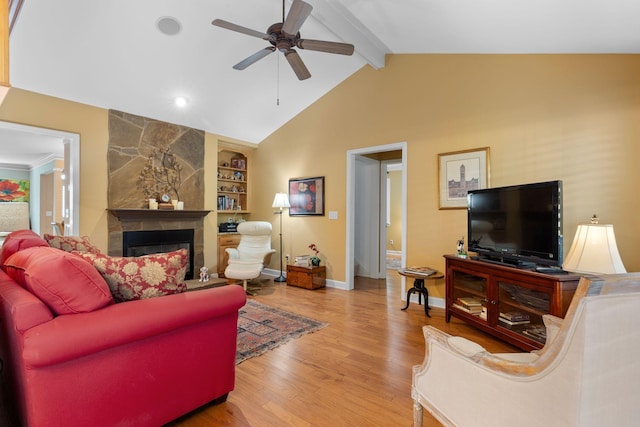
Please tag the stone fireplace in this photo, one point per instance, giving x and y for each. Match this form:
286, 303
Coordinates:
132, 140
161, 229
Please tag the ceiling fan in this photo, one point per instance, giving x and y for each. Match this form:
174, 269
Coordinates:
284, 36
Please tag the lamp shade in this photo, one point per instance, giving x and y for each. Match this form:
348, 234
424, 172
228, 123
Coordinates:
281, 201
594, 251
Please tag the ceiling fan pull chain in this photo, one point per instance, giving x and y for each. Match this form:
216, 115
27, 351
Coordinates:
278, 80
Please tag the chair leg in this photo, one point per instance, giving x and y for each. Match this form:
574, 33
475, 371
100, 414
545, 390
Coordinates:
417, 414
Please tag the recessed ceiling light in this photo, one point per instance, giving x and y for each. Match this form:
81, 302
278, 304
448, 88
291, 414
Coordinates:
181, 101
169, 25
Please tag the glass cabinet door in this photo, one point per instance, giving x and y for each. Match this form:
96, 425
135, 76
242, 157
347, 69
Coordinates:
470, 294
520, 310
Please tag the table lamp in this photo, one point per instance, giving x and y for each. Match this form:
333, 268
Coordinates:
594, 250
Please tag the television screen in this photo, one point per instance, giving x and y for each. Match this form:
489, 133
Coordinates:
520, 224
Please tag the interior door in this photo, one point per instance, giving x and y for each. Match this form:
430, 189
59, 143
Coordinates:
355, 212
367, 219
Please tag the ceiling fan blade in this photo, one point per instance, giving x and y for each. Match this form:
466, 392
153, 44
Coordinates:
240, 29
324, 46
254, 58
296, 63
298, 13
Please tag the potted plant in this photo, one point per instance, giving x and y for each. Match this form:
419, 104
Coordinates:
315, 260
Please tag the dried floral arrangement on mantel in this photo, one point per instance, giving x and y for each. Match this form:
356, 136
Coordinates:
161, 175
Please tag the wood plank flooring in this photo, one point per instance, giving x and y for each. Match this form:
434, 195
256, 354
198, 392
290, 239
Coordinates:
356, 371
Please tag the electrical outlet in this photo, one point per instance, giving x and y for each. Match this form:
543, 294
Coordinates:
286, 258
391, 242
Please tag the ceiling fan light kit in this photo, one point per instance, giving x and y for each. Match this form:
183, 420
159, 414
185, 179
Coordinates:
284, 36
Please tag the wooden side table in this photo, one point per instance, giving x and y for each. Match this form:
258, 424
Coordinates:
418, 286
306, 277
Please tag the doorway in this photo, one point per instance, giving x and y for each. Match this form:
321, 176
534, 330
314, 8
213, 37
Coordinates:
367, 207
16, 138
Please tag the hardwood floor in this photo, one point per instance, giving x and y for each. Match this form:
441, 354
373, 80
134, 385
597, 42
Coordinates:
356, 371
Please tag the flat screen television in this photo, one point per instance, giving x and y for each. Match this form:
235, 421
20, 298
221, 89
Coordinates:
519, 225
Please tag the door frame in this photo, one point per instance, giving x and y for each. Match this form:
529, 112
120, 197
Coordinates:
71, 143
384, 210
350, 205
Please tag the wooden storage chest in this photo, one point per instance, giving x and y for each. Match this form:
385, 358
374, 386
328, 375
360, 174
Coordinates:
306, 277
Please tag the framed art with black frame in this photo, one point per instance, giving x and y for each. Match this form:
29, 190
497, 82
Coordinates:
306, 196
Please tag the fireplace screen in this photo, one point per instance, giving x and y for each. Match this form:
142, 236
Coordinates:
138, 243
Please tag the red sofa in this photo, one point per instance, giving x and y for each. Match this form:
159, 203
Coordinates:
136, 363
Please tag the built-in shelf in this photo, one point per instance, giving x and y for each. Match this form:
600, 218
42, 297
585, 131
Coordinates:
162, 214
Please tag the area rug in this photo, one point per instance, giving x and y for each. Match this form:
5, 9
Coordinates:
262, 328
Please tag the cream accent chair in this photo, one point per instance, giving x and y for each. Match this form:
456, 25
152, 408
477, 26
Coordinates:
588, 373
252, 254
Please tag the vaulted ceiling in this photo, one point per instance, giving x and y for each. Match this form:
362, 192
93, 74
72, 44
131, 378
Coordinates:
116, 53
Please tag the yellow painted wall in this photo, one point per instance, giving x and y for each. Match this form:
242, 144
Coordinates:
91, 124
569, 117
29, 108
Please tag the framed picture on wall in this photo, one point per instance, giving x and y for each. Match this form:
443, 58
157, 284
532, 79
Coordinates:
306, 196
14, 190
239, 164
460, 172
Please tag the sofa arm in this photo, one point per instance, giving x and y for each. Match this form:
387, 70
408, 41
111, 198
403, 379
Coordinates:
76, 335
20, 305
466, 347
553, 325
233, 253
267, 257
514, 364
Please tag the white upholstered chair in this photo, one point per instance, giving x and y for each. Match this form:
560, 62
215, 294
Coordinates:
588, 373
253, 252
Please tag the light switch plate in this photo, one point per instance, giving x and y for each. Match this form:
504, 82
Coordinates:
333, 214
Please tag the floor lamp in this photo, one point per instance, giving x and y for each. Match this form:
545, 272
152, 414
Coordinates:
280, 201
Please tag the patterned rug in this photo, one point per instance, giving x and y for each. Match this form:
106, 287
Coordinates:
262, 328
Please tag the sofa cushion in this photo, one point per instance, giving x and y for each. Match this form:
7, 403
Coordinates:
66, 283
17, 241
147, 276
71, 243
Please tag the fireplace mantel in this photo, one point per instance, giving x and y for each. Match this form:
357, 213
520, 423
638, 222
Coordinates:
157, 214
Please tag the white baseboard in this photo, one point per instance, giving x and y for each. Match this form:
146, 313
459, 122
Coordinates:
329, 283
433, 302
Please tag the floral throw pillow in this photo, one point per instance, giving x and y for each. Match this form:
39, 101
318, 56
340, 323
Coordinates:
147, 276
71, 243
